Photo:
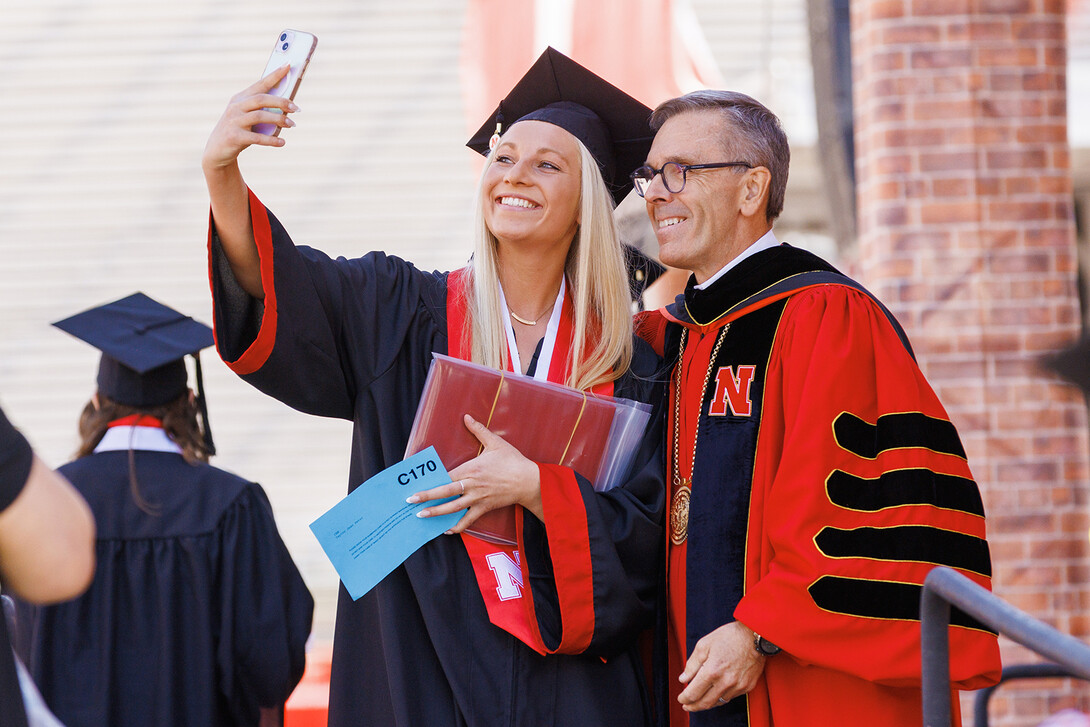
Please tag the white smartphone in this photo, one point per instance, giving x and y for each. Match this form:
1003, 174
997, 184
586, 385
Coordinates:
294, 47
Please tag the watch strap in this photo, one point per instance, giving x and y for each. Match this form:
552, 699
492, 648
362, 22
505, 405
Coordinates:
764, 646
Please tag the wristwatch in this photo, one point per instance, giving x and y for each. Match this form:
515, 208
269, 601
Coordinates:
764, 646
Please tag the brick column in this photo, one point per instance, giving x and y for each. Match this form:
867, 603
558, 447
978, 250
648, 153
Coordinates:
966, 232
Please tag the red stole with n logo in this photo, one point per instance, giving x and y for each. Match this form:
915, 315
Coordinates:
501, 571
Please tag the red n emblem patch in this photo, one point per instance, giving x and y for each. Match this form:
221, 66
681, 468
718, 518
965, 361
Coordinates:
732, 389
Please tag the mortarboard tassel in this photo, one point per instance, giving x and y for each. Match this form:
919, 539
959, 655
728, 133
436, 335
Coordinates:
202, 406
495, 138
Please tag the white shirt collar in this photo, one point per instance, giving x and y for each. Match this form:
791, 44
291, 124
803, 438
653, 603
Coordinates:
147, 439
766, 241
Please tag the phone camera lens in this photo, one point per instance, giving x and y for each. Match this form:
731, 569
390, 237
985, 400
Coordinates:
283, 36
284, 47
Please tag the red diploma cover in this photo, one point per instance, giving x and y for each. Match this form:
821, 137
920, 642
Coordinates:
548, 423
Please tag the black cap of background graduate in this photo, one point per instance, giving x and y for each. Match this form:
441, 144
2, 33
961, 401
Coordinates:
144, 344
642, 271
609, 122
1073, 364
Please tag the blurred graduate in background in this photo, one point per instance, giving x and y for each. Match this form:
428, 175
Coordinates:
197, 615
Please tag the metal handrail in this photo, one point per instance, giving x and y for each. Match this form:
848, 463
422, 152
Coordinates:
944, 587
1015, 671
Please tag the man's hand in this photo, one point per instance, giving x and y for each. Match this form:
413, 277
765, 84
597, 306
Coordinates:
723, 665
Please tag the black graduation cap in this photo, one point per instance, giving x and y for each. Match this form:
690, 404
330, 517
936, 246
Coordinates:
642, 271
609, 122
144, 344
1073, 364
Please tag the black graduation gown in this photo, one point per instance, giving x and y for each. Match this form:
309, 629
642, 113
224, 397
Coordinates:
354, 339
195, 617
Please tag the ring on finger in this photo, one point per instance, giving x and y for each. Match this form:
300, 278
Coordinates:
722, 701
463, 486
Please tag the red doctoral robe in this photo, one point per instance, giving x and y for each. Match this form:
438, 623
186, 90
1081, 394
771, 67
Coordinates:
827, 482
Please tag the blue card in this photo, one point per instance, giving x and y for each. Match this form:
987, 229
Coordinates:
373, 530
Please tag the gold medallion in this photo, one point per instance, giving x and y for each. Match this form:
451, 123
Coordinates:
679, 515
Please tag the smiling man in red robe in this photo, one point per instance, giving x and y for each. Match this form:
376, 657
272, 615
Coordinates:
816, 478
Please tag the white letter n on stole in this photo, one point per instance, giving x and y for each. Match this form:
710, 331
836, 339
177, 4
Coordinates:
508, 574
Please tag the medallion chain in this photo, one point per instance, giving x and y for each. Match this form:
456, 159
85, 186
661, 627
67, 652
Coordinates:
679, 506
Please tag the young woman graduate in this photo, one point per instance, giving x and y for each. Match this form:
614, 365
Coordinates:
197, 616
545, 294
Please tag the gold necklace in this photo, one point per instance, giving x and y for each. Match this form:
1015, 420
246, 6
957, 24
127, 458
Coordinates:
679, 504
525, 322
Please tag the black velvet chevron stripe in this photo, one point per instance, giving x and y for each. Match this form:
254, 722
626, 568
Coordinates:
915, 543
916, 486
879, 599
896, 431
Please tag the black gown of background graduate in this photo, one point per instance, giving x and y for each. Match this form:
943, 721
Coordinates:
354, 339
197, 615
194, 618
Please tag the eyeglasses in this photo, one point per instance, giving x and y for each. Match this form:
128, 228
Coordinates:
673, 174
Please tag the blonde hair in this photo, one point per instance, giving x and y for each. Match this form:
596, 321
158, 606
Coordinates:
595, 269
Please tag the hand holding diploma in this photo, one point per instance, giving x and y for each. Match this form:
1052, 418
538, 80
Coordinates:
501, 425
497, 477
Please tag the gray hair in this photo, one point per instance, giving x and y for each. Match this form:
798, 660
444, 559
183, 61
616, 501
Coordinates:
753, 133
